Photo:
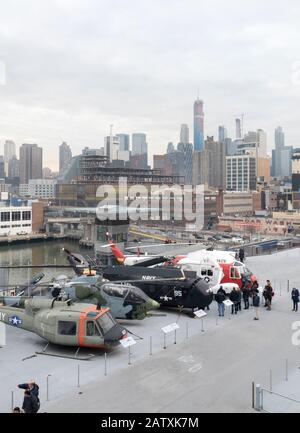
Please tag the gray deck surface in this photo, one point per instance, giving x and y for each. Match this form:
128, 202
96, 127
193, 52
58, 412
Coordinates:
209, 371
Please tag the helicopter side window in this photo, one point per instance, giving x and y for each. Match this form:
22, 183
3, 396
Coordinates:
237, 273
91, 329
67, 328
234, 273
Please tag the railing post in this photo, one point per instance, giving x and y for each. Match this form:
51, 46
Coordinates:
78, 376
258, 400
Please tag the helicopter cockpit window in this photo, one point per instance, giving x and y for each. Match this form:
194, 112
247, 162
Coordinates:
67, 328
113, 290
133, 297
92, 330
105, 323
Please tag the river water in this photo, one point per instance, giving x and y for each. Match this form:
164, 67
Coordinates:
48, 252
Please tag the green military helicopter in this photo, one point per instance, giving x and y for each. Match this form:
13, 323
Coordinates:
65, 323
124, 301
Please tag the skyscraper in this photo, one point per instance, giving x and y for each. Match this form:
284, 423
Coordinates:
13, 168
198, 125
2, 168
111, 147
140, 146
238, 129
31, 162
65, 156
170, 147
9, 150
281, 156
184, 134
124, 141
222, 134
187, 161
279, 138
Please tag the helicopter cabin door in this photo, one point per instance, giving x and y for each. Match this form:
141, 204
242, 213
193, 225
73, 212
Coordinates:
67, 331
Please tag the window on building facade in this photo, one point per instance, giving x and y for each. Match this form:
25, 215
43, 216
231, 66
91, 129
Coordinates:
5, 216
26, 215
16, 216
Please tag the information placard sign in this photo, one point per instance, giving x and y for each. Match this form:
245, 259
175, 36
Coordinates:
200, 313
228, 303
127, 342
170, 328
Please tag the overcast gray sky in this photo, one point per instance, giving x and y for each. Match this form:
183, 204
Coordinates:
73, 67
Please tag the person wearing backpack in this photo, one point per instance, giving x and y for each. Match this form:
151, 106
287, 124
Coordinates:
268, 295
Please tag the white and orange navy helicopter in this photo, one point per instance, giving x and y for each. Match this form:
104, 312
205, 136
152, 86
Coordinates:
218, 268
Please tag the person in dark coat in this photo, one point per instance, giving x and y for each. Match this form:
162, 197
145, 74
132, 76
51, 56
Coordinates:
295, 298
33, 389
256, 302
239, 300
242, 255
220, 298
234, 297
246, 295
30, 404
254, 289
268, 295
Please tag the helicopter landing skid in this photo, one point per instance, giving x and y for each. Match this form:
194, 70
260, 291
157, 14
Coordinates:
63, 354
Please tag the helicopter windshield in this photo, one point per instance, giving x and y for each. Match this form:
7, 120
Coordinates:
135, 296
105, 323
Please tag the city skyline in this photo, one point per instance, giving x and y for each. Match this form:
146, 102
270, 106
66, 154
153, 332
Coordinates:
79, 82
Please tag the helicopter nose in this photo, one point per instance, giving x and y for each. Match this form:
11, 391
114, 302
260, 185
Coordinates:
152, 305
201, 295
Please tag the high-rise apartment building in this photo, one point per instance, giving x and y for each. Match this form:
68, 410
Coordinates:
281, 156
2, 168
124, 141
31, 162
198, 125
238, 129
186, 149
241, 173
111, 147
65, 156
13, 168
184, 134
140, 146
209, 165
222, 134
9, 150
